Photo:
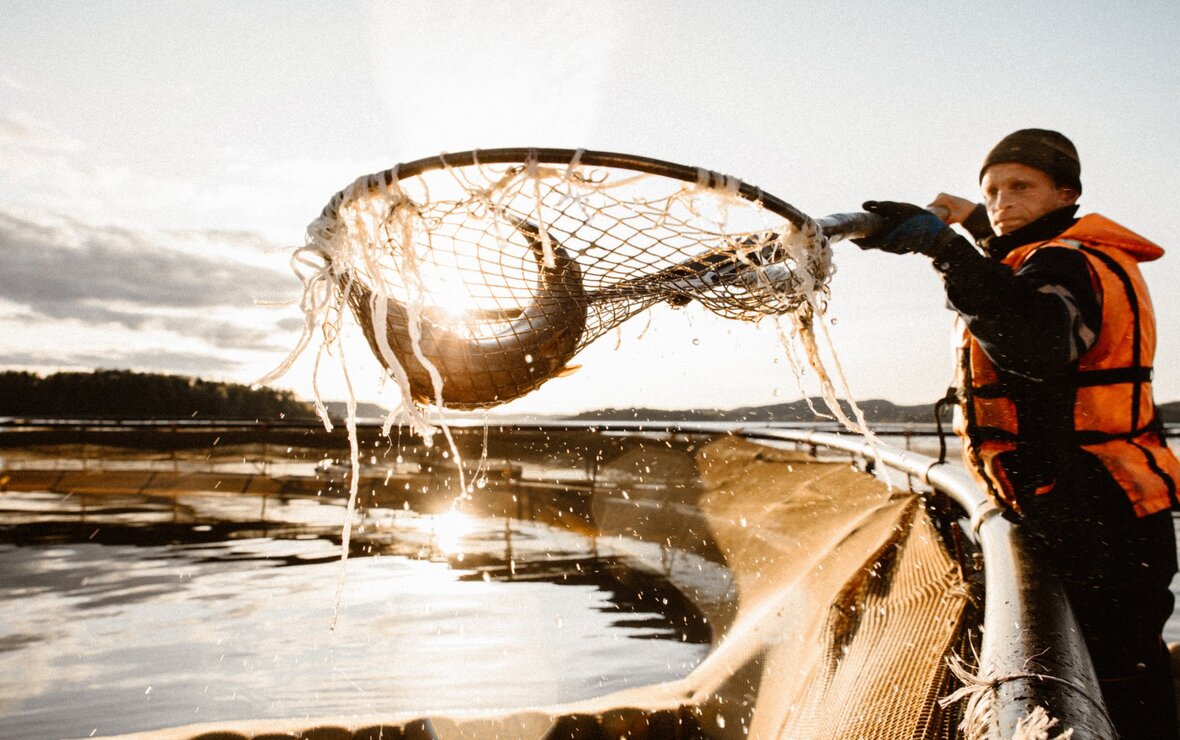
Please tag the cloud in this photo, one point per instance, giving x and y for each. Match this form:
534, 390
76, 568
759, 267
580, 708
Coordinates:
48, 171
63, 270
261, 333
67, 268
183, 363
291, 324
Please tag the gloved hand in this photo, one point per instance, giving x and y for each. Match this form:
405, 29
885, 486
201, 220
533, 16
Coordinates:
908, 229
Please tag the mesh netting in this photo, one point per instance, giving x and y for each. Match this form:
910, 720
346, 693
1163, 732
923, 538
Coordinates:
477, 277
848, 599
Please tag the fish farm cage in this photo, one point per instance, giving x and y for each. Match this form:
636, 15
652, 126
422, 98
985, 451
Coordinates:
872, 591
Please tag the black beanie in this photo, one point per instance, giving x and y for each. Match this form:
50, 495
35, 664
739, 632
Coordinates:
1047, 151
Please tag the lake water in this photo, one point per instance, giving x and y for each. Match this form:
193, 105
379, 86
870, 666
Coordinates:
127, 619
129, 613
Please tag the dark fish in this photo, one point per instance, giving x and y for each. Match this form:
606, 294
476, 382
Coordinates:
505, 355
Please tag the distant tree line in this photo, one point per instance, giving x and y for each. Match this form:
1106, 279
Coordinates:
876, 411
122, 394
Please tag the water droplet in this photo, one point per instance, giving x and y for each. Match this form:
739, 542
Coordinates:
528, 359
696, 342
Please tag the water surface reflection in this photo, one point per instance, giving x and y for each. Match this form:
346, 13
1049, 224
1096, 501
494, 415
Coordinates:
126, 614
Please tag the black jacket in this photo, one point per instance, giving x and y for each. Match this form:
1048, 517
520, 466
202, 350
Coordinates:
1034, 322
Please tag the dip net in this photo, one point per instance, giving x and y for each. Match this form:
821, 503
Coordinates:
478, 276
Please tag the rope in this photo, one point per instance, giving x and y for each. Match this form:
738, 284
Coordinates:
980, 693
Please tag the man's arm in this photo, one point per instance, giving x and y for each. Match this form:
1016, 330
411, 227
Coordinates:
1033, 322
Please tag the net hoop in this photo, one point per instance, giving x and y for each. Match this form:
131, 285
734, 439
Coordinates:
552, 208
704, 178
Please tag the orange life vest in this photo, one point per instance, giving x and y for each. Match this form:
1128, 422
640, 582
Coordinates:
1113, 410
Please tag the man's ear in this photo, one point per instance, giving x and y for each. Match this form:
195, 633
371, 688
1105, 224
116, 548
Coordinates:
1067, 196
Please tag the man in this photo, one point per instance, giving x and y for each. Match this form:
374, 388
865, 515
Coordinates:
1054, 400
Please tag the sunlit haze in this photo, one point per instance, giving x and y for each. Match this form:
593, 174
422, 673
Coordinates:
160, 162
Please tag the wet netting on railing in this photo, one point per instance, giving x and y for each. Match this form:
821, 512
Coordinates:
849, 600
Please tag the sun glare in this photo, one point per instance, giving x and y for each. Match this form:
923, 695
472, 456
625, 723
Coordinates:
450, 529
451, 294
476, 272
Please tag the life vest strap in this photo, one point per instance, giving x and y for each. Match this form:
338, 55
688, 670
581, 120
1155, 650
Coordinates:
998, 389
1113, 376
991, 434
1094, 437
1079, 378
951, 396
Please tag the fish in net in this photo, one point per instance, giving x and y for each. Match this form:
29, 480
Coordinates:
478, 276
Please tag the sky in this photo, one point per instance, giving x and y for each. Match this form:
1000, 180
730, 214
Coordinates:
160, 161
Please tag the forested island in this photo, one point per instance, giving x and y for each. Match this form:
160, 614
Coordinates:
123, 394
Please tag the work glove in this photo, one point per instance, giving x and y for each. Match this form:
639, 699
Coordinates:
908, 229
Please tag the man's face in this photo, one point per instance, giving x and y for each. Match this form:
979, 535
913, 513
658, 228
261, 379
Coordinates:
1016, 194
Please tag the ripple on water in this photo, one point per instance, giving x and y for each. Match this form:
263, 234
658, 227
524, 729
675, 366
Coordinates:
141, 626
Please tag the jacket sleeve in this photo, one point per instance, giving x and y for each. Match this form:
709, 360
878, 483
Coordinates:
978, 225
1033, 322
